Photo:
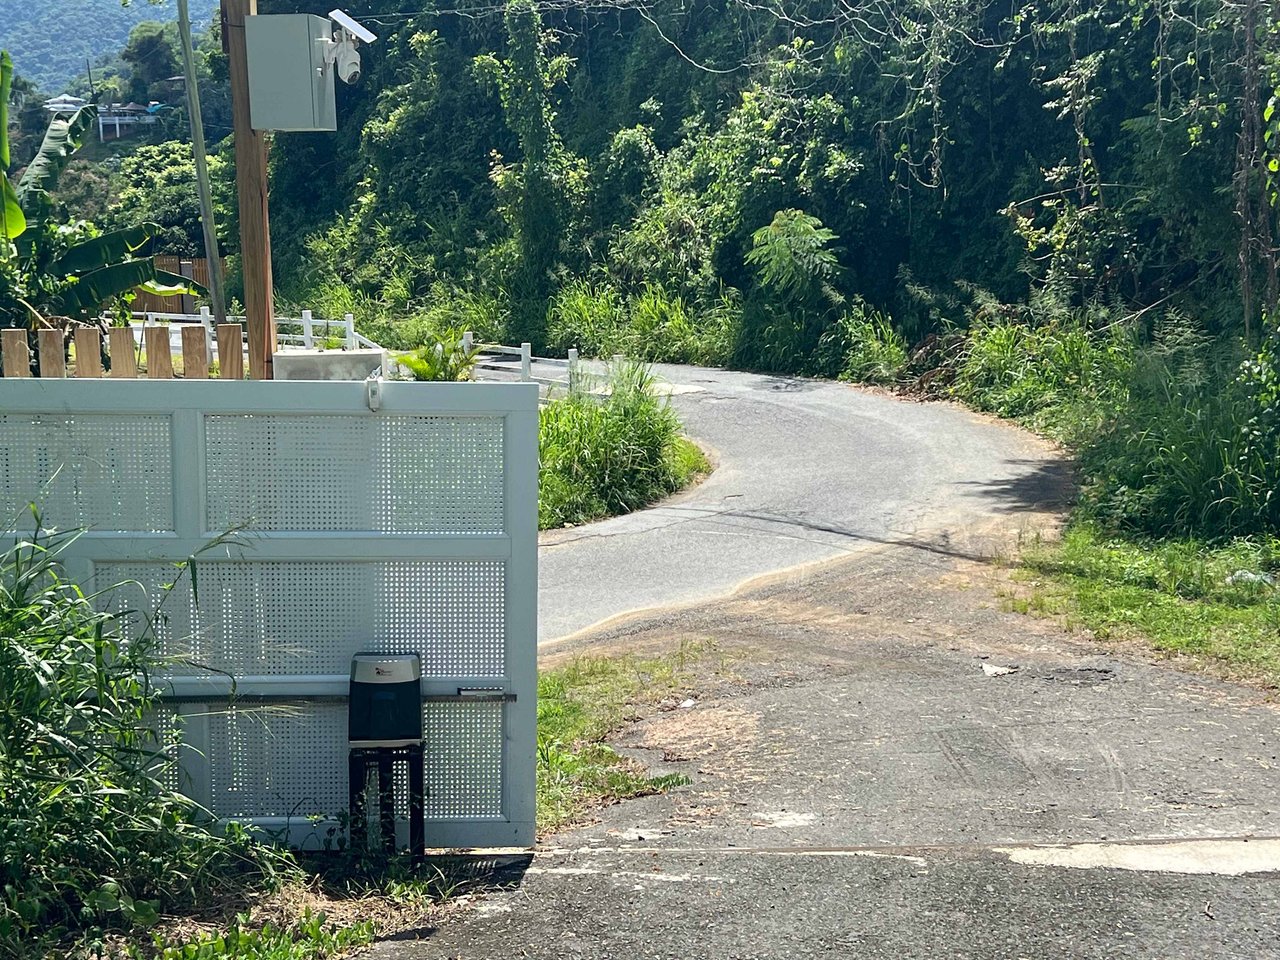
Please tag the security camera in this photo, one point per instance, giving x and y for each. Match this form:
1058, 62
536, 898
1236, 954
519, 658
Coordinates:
351, 26
347, 63
343, 54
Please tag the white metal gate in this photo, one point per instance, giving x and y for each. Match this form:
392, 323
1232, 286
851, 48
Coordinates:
387, 517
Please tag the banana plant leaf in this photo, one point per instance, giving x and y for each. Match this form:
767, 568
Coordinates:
106, 249
168, 284
6, 80
61, 140
13, 222
88, 293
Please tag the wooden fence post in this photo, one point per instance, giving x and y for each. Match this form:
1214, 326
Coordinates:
53, 353
16, 353
124, 365
159, 355
230, 351
195, 353
88, 352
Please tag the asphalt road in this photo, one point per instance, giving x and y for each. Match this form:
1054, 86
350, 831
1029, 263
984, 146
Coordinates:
884, 764
880, 761
805, 471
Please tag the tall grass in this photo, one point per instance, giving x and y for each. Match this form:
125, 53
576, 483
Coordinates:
1195, 450
607, 455
1062, 376
870, 350
91, 833
650, 325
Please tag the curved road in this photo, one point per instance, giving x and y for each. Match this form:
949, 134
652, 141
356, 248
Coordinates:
806, 471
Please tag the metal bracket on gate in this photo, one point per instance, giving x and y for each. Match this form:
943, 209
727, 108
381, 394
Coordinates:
373, 392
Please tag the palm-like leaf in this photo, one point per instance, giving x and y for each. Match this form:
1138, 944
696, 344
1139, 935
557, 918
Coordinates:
86, 294
6, 79
106, 249
12, 222
61, 140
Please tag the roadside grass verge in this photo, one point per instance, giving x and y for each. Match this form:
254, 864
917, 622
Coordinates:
602, 456
1216, 604
579, 705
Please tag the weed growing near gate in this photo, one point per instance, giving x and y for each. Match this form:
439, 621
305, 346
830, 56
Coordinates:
91, 837
604, 456
579, 705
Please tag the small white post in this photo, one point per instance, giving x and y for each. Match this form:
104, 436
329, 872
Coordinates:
308, 339
526, 362
468, 340
573, 368
350, 320
206, 319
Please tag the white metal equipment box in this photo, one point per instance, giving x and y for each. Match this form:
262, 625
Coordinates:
291, 86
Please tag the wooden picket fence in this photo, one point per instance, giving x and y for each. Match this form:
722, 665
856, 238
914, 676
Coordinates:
130, 358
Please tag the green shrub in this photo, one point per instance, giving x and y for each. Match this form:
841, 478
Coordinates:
652, 325
1060, 376
603, 456
445, 357
873, 352
91, 834
1195, 450
793, 301
591, 317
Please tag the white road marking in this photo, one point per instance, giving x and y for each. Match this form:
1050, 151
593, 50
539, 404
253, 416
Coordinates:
1229, 858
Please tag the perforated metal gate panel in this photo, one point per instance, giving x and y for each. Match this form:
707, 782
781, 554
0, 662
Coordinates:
409, 528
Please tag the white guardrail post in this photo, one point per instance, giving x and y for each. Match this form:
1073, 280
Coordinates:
206, 318
350, 321
573, 369
468, 341
526, 362
308, 335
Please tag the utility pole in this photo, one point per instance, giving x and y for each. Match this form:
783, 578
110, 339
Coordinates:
214, 261
251, 185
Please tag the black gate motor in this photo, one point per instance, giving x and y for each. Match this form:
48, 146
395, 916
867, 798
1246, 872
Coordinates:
384, 727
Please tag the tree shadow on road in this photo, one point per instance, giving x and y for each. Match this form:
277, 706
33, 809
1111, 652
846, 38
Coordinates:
1040, 486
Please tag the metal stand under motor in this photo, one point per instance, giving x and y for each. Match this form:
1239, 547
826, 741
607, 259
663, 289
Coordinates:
360, 762
384, 727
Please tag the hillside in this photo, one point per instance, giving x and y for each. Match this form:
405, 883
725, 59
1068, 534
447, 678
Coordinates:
51, 40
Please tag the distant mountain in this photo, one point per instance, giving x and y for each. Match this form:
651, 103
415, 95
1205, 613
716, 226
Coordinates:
50, 40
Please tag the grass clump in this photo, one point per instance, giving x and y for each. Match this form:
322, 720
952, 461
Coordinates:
579, 705
310, 937
1060, 377
874, 352
650, 324
1195, 449
1220, 603
605, 456
92, 836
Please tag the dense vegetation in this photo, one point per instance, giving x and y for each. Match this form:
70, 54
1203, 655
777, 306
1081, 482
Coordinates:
92, 832
1059, 212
